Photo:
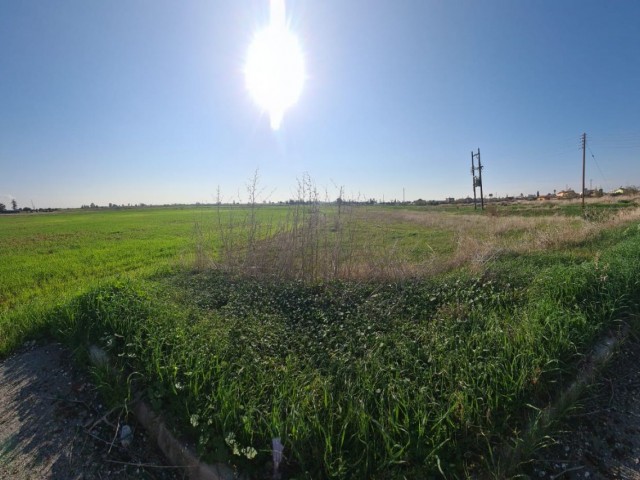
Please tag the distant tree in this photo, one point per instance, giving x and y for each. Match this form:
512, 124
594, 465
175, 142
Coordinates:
14, 205
3, 207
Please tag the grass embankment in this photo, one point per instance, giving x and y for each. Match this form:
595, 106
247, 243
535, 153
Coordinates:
363, 379
376, 366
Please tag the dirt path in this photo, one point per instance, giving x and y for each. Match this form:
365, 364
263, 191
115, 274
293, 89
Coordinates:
52, 425
601, 439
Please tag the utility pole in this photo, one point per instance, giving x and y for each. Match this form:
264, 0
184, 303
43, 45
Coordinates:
477, 181
584, 148
480, 179
473, 175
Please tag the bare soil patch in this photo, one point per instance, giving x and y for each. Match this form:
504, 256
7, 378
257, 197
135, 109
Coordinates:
600, 438
54, 426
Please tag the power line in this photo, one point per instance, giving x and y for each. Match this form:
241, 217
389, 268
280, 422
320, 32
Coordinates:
596, 162
622, 140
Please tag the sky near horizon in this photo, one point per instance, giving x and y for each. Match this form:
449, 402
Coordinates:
144, 101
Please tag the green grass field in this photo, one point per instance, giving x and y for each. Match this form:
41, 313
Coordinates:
375, 342
51, 254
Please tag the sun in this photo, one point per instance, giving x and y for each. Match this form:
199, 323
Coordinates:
274, 72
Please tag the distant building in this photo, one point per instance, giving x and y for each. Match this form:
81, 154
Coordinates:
567, 194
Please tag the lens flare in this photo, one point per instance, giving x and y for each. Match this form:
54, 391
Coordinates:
274, 72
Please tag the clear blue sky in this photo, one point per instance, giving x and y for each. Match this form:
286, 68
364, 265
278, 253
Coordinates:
144, 100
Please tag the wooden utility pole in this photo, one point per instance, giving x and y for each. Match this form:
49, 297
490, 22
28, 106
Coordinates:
473, 176
477, 181
480, 180
584, 147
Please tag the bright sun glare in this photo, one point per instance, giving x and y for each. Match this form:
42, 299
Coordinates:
274, 71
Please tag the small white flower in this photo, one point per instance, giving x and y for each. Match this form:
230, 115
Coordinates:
194, 420
249, 452
230, 439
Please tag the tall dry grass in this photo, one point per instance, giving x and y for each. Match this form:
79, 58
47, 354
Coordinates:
313, 241
481, 239
317, 241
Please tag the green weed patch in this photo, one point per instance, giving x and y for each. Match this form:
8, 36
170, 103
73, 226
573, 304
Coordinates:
359, 380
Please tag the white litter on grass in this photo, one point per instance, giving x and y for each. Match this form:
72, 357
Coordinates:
126, 436
98, 356
276, 452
